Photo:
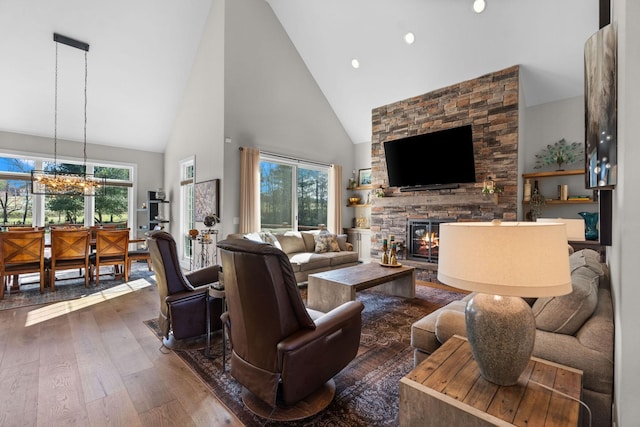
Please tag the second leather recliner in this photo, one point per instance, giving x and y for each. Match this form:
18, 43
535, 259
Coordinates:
281, 352
183, 298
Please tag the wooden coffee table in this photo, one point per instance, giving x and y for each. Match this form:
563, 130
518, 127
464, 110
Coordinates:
329, 289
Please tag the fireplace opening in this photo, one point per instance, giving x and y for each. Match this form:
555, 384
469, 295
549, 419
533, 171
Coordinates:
423, 239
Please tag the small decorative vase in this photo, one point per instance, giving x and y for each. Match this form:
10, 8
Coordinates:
160, 194
590, 225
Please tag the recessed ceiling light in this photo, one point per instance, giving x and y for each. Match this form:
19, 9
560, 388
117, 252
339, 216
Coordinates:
479, 5
355, 63
409, 38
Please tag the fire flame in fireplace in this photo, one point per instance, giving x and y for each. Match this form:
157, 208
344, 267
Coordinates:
430, 240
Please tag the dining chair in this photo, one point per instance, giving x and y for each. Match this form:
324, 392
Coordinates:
24, 228
140, 255
8, 280
69, 249
21, 252
94, 230
112, 248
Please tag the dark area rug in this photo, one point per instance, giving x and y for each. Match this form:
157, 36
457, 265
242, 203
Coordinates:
70, 288
367, 389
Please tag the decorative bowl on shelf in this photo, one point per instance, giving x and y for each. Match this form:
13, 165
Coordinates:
354, 200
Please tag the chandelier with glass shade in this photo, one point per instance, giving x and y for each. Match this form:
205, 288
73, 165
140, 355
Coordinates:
55, 180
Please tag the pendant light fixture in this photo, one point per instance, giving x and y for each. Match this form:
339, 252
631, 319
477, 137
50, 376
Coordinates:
55, 180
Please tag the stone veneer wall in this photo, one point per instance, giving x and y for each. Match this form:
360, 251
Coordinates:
490, 104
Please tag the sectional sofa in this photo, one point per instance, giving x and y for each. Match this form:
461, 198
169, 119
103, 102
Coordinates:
309, 252
574, 330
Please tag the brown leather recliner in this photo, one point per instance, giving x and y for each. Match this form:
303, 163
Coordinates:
278, 348
183, 298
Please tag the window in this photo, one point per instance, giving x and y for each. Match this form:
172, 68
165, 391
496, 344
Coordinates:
293, 195
64, 209
16, 201
19, 206
112, 205
187, 175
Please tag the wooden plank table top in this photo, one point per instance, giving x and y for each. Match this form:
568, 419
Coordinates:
329, 289
364, 276
449, 387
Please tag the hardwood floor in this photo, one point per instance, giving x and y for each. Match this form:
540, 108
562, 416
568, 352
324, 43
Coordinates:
94, 363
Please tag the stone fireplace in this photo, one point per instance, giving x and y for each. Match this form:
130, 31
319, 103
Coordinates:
422, 242
489, 103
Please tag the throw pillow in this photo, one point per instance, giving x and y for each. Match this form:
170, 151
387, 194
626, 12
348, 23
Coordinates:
308, 238
271, 239
253, 236
566, 314
586, 258
342, 242
326, 243
291, 244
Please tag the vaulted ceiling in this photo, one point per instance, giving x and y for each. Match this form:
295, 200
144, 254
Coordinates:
139, 60
452, 44
142, 52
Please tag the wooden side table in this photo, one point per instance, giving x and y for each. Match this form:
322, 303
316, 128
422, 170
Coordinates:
446, 389
216, 293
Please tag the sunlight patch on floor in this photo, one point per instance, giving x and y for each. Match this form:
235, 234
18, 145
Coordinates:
61, 308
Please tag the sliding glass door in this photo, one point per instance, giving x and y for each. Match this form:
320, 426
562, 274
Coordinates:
293, 195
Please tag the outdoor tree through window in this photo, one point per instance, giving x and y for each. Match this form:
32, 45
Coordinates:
19, 207
16, 201
112, 204
285, 206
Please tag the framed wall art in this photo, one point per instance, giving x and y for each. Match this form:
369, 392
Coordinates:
364, 177
206, 199
600, 110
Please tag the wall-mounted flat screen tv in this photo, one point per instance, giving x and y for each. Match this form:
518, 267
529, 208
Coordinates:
441, 159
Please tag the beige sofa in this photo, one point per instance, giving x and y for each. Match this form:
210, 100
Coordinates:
300, 248
574, 330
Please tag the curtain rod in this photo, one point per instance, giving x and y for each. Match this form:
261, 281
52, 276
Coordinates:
295, 159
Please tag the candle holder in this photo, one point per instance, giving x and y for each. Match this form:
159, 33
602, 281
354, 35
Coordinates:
385, 257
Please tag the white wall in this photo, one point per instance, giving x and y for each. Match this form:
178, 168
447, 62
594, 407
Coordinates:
149, 165
272, 102
198, 129
362, 159
623, 254
546, 124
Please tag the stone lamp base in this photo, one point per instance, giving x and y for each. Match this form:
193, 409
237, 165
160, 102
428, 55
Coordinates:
501, 332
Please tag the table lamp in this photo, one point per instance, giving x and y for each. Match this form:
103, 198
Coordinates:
503, 261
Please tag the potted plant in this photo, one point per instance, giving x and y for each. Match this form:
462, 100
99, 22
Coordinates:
490, 187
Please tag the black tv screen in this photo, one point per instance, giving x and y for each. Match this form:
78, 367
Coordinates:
431, 160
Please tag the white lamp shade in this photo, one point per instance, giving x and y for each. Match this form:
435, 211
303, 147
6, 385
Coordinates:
575, 227
524, 259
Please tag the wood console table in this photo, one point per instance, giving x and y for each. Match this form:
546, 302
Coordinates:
446, 389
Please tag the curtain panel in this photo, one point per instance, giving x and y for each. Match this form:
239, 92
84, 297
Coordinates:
334, 206
249, 190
